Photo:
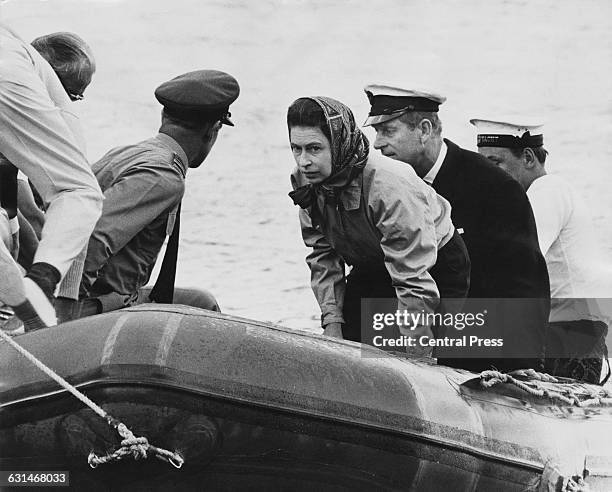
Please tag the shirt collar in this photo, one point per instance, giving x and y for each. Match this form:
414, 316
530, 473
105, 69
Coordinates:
173, 145
433, 172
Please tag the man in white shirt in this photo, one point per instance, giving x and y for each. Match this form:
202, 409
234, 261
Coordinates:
576, 337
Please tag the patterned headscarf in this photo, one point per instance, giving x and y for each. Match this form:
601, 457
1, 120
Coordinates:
349, 151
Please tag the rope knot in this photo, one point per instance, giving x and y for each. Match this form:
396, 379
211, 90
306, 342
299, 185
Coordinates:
137, 446
491, 378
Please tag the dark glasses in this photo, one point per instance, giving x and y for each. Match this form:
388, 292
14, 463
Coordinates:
75, 97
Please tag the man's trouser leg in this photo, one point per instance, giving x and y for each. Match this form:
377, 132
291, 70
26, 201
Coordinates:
11, 284
576, 349
111, 302
69, 309
199, 298
27, 300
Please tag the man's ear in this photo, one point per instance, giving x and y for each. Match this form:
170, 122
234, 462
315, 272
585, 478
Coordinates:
210, 130
529, 158
426, 129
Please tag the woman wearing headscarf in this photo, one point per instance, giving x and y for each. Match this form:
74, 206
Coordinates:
370, 212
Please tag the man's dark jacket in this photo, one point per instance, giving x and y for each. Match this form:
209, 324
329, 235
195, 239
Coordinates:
499, 231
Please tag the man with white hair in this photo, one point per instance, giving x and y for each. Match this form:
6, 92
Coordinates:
43, 139
576, 339
73, 62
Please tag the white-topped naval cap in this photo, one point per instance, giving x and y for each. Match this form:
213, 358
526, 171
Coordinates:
388, 102
508, 126
508, 132
388, 90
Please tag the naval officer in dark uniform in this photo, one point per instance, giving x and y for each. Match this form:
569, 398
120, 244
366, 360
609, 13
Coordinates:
489, 209
143, 185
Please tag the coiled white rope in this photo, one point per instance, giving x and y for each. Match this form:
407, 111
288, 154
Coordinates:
488, 379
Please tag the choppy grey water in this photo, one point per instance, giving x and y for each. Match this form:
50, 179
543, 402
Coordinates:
240, 237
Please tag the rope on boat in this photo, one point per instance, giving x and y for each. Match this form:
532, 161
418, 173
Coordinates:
602, 397
137, 447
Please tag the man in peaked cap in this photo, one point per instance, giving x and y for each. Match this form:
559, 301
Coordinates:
143, 185
575, 343
489, 208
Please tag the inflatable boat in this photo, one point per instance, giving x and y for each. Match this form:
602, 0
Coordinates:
247, 405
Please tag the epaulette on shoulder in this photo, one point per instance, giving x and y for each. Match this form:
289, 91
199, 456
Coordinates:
178, 164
